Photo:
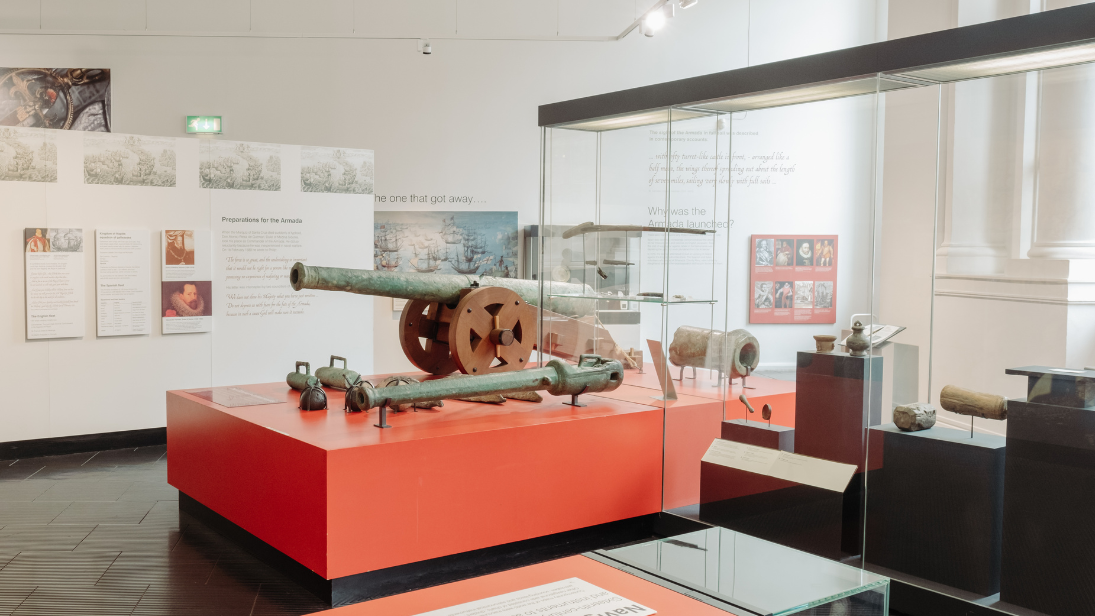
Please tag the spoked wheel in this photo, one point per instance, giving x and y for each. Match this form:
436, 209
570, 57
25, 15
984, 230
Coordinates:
424, 337
492, 330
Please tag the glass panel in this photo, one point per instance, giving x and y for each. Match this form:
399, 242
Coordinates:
990, 503
801, 255
757, 575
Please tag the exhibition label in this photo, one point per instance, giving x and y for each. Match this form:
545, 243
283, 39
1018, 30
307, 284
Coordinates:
122, 284
572, 597
54, 262
233, 397
186, 293
780, 464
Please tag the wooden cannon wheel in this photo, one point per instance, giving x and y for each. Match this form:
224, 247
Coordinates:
419, 326
492, 330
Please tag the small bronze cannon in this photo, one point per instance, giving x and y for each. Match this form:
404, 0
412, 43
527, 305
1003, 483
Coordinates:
300, 380
336, 378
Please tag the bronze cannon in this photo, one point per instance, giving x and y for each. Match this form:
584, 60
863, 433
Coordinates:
474, 324
592, 374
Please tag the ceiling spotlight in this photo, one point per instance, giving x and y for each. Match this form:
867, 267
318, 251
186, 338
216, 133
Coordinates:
688, 3
653, 22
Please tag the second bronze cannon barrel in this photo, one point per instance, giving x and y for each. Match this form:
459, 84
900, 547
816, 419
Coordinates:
592, 374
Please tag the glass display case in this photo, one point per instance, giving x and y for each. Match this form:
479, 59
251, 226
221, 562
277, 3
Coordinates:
633, 267
894, 268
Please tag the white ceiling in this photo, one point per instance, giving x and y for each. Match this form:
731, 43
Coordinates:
519, 19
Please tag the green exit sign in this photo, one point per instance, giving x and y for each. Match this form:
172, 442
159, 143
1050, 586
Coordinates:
203, 124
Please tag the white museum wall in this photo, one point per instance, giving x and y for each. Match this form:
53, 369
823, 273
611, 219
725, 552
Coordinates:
96, 384
460, 122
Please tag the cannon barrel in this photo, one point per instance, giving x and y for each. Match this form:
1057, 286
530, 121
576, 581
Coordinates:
592, 374
735, 352
974, 403
443, 288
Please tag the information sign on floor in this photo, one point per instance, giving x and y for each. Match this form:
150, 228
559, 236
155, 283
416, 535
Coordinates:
563, 598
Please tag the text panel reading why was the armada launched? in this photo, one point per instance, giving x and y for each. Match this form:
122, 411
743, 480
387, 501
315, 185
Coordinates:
684, 248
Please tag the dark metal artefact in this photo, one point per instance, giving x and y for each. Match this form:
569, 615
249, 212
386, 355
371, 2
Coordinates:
313, 398
745, 401
592, 374
355, 394
336, 378
736, 352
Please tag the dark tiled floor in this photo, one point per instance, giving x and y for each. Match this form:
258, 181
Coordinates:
102, 534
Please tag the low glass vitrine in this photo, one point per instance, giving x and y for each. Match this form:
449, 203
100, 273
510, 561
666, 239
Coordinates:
754, 576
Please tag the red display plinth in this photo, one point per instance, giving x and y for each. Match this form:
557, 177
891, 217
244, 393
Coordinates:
342, 497
691, 423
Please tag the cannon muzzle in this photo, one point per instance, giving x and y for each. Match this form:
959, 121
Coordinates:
592, 374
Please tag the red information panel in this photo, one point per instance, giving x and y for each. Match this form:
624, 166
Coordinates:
793, 279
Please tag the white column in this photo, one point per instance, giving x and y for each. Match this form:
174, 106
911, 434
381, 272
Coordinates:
987, 158
1064, 207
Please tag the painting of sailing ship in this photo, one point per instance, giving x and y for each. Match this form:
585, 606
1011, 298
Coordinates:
27, 155
471, 243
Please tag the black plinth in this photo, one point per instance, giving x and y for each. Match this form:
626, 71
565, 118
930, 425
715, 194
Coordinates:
759, 434
1049, 509
935, 507
837, 397
423, 574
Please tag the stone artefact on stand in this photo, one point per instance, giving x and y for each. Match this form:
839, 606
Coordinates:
914, 417
858, 342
